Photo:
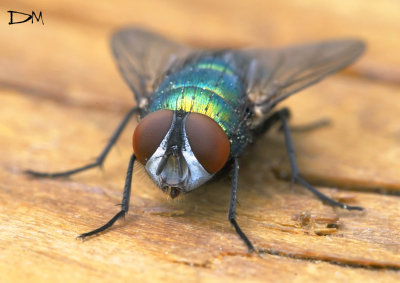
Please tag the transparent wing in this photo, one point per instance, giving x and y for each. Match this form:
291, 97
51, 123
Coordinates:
272, 75
143, 57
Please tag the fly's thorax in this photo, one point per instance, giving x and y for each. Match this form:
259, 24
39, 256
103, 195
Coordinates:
180, 150
211, 86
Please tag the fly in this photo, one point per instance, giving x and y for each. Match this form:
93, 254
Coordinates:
200, 109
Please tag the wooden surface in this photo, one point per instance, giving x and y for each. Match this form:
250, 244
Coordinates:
61, 97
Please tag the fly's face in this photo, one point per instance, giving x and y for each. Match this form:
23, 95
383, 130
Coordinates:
180, 150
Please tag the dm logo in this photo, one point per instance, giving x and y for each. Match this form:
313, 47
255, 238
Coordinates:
29, 17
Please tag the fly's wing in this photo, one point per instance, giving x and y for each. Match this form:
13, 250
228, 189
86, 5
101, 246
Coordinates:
272, 75
143, 57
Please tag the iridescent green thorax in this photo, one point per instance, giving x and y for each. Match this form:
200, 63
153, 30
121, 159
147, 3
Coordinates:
210, 86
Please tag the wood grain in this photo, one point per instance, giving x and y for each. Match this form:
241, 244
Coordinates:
62, 96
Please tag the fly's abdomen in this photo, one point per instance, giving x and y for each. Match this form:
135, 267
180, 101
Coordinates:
209, 86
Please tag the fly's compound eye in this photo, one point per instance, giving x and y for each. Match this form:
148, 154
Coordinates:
150, 132
208, 141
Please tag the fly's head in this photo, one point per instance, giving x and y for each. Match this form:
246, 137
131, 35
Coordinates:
180, 150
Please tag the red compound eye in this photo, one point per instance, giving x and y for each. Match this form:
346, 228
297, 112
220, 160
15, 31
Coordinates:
208, 141
150, 132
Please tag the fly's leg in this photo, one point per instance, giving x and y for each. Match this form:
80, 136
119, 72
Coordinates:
275, 117
295, 170
323, 122
124, 205
232, 207
272, 120
99, 160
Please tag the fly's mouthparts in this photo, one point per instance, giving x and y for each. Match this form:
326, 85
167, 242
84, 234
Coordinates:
173, 192
173, 171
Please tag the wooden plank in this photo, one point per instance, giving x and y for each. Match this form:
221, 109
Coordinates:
64, 97
48, 214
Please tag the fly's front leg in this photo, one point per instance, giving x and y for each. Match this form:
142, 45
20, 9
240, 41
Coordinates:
232, 207
124, 205
295, 170
99, 160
